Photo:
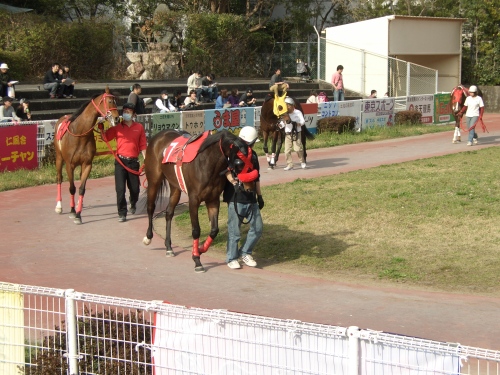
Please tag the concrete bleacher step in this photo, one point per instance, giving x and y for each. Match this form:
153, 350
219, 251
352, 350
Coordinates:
44, 108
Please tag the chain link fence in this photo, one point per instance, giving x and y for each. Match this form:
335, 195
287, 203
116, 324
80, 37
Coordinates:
365, 71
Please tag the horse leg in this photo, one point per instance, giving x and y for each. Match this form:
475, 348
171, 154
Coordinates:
86, 168
194, 203
303, 139
72, 189
213, 217
175, 196
264, 146
59, 163
279, 143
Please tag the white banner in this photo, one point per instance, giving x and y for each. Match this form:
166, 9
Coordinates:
377, 112
424, 104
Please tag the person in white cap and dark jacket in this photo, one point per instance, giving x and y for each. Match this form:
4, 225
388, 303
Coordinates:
244, 201
473, 109
4, 80
162, 104
293, 121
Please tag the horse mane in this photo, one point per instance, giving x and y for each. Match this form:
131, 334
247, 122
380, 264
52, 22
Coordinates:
82, 108
227, 139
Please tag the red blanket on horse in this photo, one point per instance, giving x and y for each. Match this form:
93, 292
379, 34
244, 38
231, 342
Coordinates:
180, 151
63, 127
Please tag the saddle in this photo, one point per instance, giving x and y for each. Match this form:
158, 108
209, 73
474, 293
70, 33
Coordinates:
183, 149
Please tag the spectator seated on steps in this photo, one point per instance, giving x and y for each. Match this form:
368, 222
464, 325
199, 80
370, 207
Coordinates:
53, 81
69, 83
7, 112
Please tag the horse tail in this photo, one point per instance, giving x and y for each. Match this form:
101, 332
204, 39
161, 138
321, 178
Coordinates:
307, 133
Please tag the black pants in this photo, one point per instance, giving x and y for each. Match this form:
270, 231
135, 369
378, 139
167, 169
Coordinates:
124, 178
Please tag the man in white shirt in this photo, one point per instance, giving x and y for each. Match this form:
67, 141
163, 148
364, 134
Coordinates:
194, 83
474, 109
293, 124
162, 104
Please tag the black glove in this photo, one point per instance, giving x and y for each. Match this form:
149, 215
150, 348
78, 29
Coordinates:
260, 200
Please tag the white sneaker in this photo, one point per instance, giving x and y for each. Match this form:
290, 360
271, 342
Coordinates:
303, 165
474, 141
469, 144
248, 259
234, 264
288, 167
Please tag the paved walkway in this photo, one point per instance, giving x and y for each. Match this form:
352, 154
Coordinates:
106, 257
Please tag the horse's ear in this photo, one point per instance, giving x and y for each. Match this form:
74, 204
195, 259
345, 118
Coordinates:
106, 90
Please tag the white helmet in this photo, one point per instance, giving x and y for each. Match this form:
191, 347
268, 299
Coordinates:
289, 100
473, 88
249, 134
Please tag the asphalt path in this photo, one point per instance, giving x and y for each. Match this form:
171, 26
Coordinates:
103, 256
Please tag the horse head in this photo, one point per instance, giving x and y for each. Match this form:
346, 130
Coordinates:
458, 96
106, 106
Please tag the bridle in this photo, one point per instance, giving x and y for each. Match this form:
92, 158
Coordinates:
107, 111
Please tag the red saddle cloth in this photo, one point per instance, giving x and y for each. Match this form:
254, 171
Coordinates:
179, 151
63, 127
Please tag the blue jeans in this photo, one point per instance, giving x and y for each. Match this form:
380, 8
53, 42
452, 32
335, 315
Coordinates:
338, 95
249, 210
472, 132
53, 87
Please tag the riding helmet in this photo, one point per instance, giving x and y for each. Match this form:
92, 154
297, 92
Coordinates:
249, 134
473, 88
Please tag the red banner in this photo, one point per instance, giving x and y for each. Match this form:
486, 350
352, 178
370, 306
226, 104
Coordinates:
18, 147
309, 108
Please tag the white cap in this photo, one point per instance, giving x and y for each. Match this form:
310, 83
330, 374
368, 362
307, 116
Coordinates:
249, 134
473, 88
289, 100
4, 66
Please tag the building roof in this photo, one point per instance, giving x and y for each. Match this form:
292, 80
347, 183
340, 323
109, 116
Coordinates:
392, 17
11, 9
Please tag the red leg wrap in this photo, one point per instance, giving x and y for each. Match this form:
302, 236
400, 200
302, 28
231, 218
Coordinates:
72, 201
59, 195
80, 204
196, 244
206, 245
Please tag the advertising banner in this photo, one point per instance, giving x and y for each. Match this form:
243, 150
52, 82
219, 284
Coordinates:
164, 121
193, 121
18, 147
311, 116
423, 104
229, 118
351, 108
442, 109
377, 112
328, 109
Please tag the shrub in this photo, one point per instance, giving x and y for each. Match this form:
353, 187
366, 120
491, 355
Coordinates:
336, 124
408, 118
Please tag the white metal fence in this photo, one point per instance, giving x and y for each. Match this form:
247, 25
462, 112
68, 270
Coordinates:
55, 331
365, 71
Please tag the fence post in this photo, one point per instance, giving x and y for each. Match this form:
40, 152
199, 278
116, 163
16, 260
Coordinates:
353, 364
318, 68
408, 72
71, 332
363, 73
436, 82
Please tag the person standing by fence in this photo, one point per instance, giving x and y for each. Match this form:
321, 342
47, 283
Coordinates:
338, 84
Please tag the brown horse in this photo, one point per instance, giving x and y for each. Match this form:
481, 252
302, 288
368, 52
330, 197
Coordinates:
204, 180
269, 126
76, 146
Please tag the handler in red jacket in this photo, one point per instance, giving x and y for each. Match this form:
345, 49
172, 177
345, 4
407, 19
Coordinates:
130, 141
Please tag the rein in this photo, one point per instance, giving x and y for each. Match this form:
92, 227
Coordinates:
106, 115
140, 172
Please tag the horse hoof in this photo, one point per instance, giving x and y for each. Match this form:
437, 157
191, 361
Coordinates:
77, 220
58, 210
270, 167
72, 215
199, 269
146, 241
169, 253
